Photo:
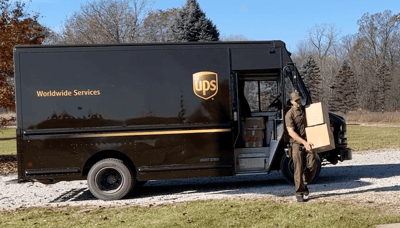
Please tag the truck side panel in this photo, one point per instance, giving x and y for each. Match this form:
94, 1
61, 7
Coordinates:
79, 102
158, 156
113, 87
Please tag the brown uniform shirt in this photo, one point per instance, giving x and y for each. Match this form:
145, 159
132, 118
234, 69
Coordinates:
296, 119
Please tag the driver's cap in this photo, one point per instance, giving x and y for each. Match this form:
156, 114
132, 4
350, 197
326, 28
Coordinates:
294, 96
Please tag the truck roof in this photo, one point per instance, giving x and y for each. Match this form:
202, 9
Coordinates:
275, 43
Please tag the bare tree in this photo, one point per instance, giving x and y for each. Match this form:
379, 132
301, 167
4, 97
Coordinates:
372, 55
303, 51
106, 21
53, 38
346, 47
234, 37
322, 44
377, 45
155, 25
378, 33
323, 38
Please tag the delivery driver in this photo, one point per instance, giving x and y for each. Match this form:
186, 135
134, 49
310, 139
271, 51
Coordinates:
296, 123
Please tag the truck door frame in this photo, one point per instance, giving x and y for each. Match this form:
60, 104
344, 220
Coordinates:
277, 128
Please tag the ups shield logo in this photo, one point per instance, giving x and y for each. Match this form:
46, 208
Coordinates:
205, 84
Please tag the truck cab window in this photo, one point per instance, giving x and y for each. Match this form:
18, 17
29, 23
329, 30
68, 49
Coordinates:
251, 94
269, 94
261, 95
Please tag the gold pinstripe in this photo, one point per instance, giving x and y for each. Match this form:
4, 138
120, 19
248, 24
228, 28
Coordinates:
167, 132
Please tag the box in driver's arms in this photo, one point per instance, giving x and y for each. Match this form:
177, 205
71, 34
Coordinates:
318, 129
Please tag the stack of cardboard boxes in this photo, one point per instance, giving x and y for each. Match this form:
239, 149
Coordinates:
254, 132
318, 128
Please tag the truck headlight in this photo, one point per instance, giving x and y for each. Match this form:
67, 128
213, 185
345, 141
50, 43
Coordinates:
342, 137
343, 134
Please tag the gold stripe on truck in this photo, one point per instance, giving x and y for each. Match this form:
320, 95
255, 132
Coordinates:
168, 132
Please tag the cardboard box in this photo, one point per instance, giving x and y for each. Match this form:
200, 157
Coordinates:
317, 114
255, 123
254, 138
321, 136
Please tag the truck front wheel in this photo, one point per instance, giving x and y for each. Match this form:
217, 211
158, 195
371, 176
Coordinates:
287, 169
110, 179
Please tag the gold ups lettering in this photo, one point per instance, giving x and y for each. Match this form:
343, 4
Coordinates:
67, 93
205, 84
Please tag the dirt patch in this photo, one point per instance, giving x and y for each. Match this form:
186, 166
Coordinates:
8, 164
373, 124
386, 203
383, 149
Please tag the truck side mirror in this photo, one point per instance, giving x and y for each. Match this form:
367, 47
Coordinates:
294, 74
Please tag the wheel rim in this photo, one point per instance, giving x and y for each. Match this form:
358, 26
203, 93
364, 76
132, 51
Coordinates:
109, 180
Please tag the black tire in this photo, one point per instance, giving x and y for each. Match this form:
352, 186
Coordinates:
287, 169
110, 179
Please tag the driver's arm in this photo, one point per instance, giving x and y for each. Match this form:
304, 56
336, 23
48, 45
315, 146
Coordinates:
295, 136
290, 128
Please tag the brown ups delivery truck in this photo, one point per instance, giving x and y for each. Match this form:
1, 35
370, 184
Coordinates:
120, 115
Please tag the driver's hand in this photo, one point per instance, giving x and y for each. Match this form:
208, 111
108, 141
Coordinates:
308, 146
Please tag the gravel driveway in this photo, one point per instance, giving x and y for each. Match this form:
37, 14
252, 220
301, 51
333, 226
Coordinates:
371, 178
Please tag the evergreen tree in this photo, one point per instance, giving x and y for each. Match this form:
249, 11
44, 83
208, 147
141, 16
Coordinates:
338, 101
311, 76
373, 88
191, 24
350, 88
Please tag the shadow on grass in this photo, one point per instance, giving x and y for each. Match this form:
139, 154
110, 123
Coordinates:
381, 189
331, 179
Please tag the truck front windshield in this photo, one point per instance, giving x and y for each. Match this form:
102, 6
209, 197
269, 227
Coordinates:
289, 88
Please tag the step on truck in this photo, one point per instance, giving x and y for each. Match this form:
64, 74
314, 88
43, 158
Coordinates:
121, 115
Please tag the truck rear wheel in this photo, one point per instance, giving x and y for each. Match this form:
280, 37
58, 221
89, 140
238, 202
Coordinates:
110, 179
287, 169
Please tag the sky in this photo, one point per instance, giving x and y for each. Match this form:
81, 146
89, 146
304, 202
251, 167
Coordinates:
286, 20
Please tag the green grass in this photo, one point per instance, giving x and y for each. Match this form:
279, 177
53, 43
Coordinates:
7, 133
366, 138
211, 213
8, 146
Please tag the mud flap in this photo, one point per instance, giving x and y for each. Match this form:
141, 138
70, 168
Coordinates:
346, 154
